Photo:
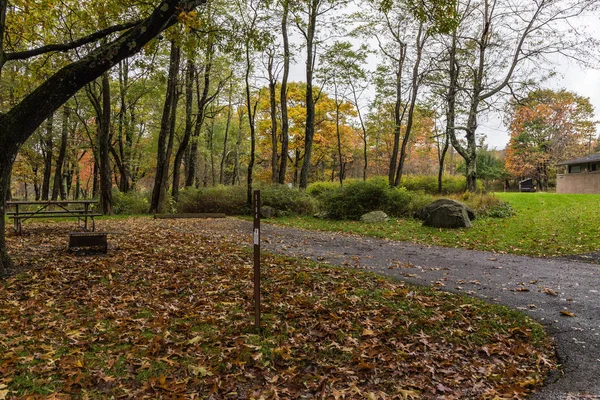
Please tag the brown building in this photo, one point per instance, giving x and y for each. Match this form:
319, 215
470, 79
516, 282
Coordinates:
581, 175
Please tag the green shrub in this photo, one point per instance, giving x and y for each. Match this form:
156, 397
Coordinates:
230, 200
418, 201
487, 205
398, 201
130, 203
358, 197
288, 200
355, 199
429, 183
320, 189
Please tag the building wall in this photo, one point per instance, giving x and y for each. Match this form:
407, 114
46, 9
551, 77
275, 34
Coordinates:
584, 182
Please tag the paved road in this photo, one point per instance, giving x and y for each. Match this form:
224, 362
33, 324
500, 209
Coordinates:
541, 288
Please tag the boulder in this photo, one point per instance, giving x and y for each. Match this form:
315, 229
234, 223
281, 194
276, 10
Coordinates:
321, 215
374, 217
267, 212
425, 211
448, 216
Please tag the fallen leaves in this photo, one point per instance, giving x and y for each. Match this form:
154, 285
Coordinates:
168, 314
567, 313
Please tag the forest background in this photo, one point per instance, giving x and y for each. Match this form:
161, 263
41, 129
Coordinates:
389, 88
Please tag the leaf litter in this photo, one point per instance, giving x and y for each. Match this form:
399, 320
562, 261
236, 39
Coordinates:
168, 313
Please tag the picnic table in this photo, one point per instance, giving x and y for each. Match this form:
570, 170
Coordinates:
80, 209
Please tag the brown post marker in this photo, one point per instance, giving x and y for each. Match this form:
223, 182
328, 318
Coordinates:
257, 259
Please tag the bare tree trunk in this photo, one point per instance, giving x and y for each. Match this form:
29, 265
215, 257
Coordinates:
189, 79
309, 132
398, 115
58, 187
104, 149
413, 101
442, 159
251, 114
273, 104
283, 95
226, 138
203, 100
158, 203
47, 146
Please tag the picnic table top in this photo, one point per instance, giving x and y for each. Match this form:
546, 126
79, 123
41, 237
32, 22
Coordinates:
44, 202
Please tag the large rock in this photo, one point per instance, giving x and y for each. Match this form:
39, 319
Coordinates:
374, 217
447, 213
448, 216
267, 212
425, 211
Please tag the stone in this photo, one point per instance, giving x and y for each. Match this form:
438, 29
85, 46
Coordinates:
374, 217
267, 212
448, 216
321, 215
425, 211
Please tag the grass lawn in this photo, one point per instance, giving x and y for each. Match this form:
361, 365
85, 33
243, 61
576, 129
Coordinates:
544, 225
168, 313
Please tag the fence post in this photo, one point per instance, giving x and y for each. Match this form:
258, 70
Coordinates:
257, 259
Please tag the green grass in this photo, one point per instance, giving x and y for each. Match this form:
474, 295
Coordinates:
544, 225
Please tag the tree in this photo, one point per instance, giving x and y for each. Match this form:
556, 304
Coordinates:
342, 71
283, 158
20, 121
308, 28
545, 128
158, 203
497, 47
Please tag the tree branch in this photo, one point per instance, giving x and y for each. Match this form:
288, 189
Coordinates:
26, 116
3, 6
22, 55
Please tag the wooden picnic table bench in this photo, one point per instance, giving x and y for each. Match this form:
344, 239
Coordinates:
24, 210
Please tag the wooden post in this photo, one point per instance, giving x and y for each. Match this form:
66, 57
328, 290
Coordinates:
257, 259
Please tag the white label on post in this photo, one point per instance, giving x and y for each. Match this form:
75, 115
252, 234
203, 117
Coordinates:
256, 237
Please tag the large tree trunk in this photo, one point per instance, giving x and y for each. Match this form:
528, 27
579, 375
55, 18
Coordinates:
6, 264
283, 95
159, 192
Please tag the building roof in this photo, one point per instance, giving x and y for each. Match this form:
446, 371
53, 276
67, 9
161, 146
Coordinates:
590, 158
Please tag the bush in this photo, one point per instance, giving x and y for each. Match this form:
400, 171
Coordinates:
358, 197
320, 189
429, 183
230, 200
287, 200
486, 205
129, 203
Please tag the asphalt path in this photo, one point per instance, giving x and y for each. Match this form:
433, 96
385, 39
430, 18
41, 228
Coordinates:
561, 294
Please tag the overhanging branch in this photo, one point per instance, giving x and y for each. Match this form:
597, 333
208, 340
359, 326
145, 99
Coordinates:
62, 47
